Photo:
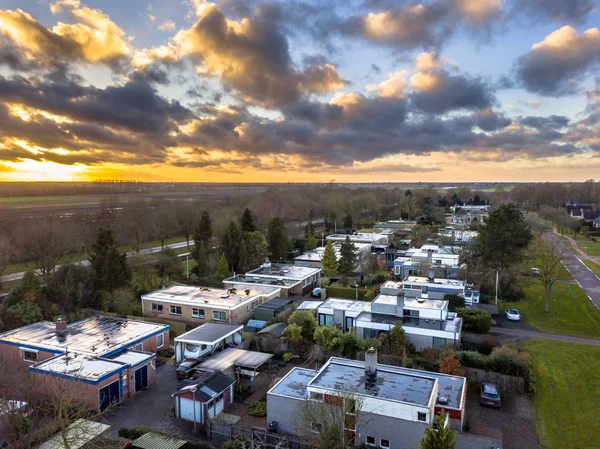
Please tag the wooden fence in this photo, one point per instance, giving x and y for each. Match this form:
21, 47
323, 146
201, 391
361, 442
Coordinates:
508, 384
258, 436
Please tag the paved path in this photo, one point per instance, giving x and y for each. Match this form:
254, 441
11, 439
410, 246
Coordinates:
522, 334
575, 247
585, 278
156, 249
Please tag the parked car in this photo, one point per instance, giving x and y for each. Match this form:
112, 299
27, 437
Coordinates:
316, 293
536, 271
187, 368
512, 315
490, 395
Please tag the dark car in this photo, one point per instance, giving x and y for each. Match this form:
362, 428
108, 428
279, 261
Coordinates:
490, 395
187, 368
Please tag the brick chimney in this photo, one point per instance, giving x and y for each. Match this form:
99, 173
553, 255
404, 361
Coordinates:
61, 325
371, 361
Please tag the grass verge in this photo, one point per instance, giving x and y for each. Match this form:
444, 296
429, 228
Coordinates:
566, 390
593, 266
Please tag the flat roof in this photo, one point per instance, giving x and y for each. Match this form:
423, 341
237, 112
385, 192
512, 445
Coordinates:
346, 304
276, 329
275, 303
293, 384
285, 271
155, 440
421, 303
449, 325
79, 365
316, 255
310, 305
235, 357
392, 284
79, 433
212, 297
349, 375
390, 300
132, 358
440, 281
210, 333
97, 335
243, 281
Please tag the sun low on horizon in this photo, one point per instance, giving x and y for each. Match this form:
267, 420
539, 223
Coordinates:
307, 91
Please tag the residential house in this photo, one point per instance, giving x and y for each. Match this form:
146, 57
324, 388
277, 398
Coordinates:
207, 339
106, 359
341, 312
203, 398
431, 287
597, 222
390, 406
314, 257
291, 280
196, 305
371, 238
443, 260
590, 215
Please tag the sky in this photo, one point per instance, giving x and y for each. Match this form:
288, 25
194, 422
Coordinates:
300, 91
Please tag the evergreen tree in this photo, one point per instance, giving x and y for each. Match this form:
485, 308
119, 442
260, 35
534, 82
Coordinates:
311, 242
202, 260
348, 221
230, 244
257, 247
329, 260
309, 229
438, 436
202, 233
348, 256
278, 239
244, 256
110, 267
168, 265
247, 221
223, 267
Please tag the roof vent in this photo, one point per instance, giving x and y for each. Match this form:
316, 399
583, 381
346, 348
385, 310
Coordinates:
225, 296
442, 400
61, 325
420, 300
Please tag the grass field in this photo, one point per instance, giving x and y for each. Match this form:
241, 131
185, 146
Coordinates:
568, 315
567, 388
593, 266
590, 248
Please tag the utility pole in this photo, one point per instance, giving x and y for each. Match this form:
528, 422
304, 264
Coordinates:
496, 287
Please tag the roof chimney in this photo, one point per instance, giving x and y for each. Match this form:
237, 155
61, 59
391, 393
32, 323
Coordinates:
267, 263
61, 325
371, 361
431, 275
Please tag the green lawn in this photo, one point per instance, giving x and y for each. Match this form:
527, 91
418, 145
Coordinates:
593, 266
567, 388
590, 248
568, 315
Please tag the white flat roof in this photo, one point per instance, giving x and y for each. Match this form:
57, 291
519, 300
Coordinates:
210, 297
438, 304
386, 299
285, 271
440, 281
79, 365
309, 305
209, 333
229, 357
132, 358
346, 304
392, 284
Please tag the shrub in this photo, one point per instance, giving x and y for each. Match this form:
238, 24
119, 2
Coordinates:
368, 296
504, 360
475, 320
454, 302
287, 357
451, 365
306, 320
133, 433
259, 409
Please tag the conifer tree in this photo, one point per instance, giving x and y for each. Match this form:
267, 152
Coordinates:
247, 221
223, 267
329, 260
109, 265
347, 256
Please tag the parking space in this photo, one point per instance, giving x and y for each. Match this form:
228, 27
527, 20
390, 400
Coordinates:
513, 423
501, 321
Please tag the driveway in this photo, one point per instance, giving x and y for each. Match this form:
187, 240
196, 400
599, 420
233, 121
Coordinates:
585, 278
513, 423
151, 408
503, 323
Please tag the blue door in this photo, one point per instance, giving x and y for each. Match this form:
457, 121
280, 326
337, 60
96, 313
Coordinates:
141, 378
108, 395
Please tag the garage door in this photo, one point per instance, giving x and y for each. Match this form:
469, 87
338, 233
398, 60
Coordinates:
141, 378
186, 409
108, 395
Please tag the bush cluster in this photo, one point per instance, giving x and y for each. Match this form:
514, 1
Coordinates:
475, 320
133, 433
346, 292
504, 360
259, 409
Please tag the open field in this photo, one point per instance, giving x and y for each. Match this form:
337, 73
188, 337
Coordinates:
568, 315
590, 248
567, 387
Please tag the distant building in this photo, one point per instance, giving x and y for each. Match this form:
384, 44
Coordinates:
444, 260
108, 359
396, 404
314, 257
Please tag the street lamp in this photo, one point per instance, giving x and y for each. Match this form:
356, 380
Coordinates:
187, 265
193, 390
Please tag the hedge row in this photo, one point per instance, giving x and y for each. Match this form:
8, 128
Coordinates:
475, 320
348, 293
502, 364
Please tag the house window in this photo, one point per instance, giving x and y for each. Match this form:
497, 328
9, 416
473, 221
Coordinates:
422, 416
219, 397
139, 347
370, 440
175, 310
197, 313
424, 289
316, 396
157, 308
439, 343
438, 261
384, 443
325, 320
254, 305
160, 340
219, 316
29, 356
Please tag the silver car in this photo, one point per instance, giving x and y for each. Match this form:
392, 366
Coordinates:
512, 315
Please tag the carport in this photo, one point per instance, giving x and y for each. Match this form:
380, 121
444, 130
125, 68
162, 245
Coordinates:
206, 339
239, 364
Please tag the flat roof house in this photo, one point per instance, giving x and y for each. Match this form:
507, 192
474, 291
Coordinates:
430, 287
396, 404
442, 259
106, 359
314, 257
197, 305
289, 279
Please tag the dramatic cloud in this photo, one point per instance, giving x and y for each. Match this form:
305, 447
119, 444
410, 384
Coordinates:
252, 56
556, 10
555, 66
392, 87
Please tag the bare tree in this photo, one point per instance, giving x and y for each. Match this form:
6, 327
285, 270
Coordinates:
135, 225
164, 225
6, 254
548, 256
185, 221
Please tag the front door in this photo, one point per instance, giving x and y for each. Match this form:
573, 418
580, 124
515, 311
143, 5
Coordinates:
141, 378
349, 323
108, 395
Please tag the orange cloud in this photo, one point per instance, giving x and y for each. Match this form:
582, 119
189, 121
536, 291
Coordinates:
393, 87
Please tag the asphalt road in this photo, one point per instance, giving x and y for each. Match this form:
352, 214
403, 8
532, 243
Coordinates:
585, 278
156, 249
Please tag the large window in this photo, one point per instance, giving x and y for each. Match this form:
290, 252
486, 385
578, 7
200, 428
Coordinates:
175, 310
29, 356
158, 308
197, 313
325, 320
384, 443
160, 340
370, 440
218, 315
439, 343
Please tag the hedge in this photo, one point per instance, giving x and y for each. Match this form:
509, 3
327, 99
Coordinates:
475, 320
502, 364
347, 293
259, 409
133, 433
